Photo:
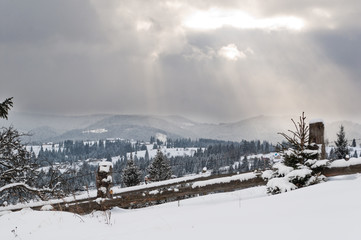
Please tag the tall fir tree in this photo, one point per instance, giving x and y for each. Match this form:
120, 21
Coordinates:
160, 168
146, 156
341, 149
332, 155
298, 150
131, 173
353, 143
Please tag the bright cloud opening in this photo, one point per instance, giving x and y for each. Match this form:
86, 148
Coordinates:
143, 25
217, 18
321, 12
231, 52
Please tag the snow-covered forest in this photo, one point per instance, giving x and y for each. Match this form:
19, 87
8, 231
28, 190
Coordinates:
186, 157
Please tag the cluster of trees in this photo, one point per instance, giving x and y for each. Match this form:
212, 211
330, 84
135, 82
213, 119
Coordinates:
158, 170
218, 156
246, 147
71, 151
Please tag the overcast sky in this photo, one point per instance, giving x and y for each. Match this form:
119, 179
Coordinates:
208, 60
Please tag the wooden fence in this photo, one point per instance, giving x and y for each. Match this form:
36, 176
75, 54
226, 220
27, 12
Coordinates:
146, 195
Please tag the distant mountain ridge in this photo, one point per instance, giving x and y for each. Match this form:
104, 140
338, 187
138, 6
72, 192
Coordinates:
50, 128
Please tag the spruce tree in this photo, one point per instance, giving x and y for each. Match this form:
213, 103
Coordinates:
160, 168
332, 154
245, 165
341, 149
296, 170
131, 173
353, 143
298, 150
146, 156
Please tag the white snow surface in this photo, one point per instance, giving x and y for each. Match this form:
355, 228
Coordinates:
105, 166
282, 169
267, 174
168, 152
283, 184
239, 177
316, 120
318, 163
344, 163
299, 173
316, 212
100, 130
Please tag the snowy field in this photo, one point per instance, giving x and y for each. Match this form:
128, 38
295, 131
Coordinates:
329, 210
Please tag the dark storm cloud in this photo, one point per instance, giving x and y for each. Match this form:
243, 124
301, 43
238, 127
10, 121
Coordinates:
79, 57
41, 20
343, 47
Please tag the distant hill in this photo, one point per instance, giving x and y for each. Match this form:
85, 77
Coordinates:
51, 128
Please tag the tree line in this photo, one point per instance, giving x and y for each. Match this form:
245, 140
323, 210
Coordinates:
212, 154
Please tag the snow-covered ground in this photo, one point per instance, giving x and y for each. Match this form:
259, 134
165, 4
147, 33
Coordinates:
329, 211
168, 152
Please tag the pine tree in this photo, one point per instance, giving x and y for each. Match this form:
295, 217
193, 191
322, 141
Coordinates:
20, 179
298, 159
353, 143
332, 154
131, 173
299, 149
341, 149
245, 165
160, 168
146, 156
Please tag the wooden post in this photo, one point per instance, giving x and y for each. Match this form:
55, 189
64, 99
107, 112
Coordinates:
317, 131
104, 180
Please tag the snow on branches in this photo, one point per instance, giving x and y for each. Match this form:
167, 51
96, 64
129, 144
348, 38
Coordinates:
296, 170
19, 173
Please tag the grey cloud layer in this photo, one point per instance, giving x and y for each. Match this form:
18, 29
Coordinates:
81, 57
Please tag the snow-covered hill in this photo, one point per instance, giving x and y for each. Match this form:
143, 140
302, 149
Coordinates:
329, 211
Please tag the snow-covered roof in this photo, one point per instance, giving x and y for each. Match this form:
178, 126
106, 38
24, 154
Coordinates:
316, 120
